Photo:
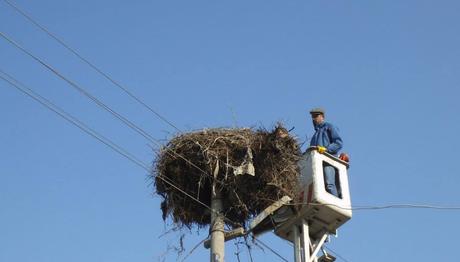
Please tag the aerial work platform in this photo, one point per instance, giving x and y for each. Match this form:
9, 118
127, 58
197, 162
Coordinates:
307, 220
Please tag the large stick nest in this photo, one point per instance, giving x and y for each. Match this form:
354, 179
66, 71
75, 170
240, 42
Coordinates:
192, 161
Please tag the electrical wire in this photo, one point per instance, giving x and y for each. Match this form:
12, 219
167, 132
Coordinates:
193, 249
336, 254
101, 104
249, 253
78, 88
129, 123
84, 92
389, 206
73, 120
273, 251
97, 101
90, 64
118, 116
419, 206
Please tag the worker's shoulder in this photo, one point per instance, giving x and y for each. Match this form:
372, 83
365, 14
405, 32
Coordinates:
331, 128
329, 125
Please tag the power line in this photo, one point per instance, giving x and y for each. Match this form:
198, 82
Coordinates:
78, 88
84, 92
336, 254
273, 251
90, 64
389, 206
87, 94
258, 240
193, 249
99, 103
73, 120
116, 114
165, 179
418, 206
105, 75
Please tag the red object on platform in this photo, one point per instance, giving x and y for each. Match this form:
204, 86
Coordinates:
344, 157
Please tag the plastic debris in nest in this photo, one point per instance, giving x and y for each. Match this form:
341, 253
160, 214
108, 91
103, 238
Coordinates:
253, 168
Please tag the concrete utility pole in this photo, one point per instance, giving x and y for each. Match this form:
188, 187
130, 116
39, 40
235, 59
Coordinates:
217, 222
217, 229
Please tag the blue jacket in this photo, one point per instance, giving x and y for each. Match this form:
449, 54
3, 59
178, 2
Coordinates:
326, 135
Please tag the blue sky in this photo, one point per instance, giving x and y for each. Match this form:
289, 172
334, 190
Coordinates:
387, 73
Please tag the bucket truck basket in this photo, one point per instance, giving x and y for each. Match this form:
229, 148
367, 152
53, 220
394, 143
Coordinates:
323, 211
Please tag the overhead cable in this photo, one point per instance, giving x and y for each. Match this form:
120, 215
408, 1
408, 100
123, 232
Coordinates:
389, 206
114, 113
99, 103
71, 119
193, 249
90, 64
405, 206
336, 254
273, 251
101, 138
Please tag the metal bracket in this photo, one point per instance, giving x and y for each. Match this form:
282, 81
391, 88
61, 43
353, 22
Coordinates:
227, 236
317, 246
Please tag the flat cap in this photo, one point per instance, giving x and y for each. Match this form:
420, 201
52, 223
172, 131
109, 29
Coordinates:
317, 110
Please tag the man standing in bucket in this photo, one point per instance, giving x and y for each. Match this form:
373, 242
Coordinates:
326, 139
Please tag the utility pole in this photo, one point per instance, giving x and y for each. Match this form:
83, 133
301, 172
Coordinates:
217, 221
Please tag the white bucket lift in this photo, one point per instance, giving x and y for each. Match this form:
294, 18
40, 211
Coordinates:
308, 220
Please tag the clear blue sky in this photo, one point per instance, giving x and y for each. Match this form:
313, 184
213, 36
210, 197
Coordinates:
386, 71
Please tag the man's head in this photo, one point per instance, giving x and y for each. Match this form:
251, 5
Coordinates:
317, 115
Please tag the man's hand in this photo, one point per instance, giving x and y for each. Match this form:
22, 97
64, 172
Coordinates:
321, 149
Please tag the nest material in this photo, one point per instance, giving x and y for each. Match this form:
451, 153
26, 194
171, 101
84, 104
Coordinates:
192, 161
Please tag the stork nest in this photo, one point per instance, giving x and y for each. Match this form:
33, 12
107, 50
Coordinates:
251, 169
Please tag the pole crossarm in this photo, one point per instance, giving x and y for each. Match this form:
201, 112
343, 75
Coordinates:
228, 235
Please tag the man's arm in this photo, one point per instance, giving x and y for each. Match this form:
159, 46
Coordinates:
336, 141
